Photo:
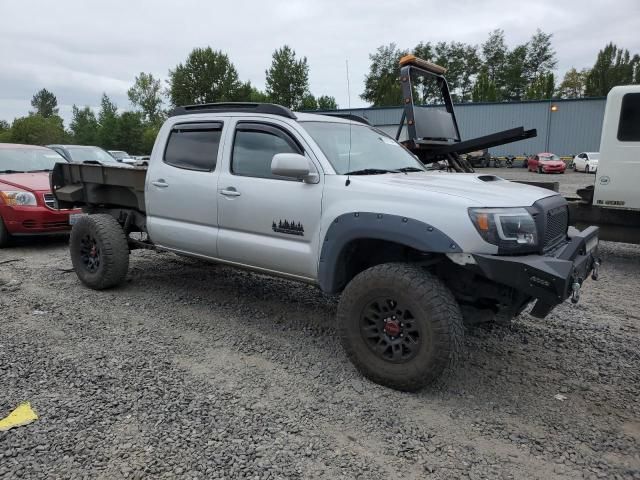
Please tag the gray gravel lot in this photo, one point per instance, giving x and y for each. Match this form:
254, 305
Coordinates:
194, 370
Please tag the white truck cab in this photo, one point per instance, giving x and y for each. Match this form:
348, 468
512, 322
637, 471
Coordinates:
618, 176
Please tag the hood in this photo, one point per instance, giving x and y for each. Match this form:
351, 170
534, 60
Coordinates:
36, 181
481, 190
552, 163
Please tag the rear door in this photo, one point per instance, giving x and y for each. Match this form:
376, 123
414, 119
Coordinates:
181, 185
267, 221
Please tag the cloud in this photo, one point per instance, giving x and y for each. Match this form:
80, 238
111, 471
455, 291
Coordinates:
79, 49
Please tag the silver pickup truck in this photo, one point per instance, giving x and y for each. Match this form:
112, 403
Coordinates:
338, 204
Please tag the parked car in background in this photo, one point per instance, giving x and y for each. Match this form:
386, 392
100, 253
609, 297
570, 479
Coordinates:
586, 162
84, 153
479, 158
27, 206
122, 156
546, 163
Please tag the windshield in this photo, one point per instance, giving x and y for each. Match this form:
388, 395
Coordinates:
594, 156
119, 155
83, 154
27, 159
551, 157
371, 151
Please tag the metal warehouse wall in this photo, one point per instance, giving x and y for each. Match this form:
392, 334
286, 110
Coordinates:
574, 127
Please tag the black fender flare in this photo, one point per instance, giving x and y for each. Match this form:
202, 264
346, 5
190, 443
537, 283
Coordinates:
376, 226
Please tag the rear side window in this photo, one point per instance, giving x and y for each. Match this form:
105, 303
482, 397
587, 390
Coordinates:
194, 146
254, 147
629, 126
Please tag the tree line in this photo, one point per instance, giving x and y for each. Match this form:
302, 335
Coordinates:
205, 76
493, 72
490, 72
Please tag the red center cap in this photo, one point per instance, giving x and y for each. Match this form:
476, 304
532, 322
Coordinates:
392, 328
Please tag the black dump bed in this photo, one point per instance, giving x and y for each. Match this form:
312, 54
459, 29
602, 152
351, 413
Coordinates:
94, 185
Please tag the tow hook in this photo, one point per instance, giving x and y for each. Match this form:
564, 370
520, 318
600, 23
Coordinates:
595, 274
575, 291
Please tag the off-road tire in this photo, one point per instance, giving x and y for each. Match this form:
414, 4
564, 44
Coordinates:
111, 245
433, 307
4, 235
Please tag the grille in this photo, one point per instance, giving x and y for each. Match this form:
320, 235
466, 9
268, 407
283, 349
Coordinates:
556, 224
50, 200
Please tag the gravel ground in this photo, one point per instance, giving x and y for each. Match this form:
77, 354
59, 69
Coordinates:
193, 370
569, 181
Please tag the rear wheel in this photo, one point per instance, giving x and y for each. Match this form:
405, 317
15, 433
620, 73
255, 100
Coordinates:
400, 326
4, 234
99, 251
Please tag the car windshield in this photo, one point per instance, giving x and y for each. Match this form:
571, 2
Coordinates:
551, 157
23, 159
119, 155
594, 156
361, 149
84, 154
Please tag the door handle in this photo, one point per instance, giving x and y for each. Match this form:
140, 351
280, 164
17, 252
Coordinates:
160, 183
230, 192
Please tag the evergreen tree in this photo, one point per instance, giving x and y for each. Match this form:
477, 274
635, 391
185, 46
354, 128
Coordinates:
45, 104
614, 66
84, 126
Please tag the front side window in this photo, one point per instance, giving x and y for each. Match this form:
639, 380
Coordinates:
629, 126
194, 146
360, 148
254, 147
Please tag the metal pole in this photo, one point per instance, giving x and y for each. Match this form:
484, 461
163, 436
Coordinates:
548, 133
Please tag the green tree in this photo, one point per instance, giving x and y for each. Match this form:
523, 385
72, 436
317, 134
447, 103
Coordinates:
5, 131
542, 88
573, 84
84, 126
108, 120
484, 90
249, 93
130, 133
541, 56
288, 79
206, 76
148, 138
309, 102
325, 102
614, 66
37, 130
494, 54
45, 104
146, 96
381, 84
462, 63
514, 74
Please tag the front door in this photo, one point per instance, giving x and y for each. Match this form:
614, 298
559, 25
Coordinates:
181, 189
267, 221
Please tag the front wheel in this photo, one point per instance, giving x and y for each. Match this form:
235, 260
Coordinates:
400, 326
586, 169
4, 234
539, 169
99, 251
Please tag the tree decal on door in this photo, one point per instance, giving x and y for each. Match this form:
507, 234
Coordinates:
290, 228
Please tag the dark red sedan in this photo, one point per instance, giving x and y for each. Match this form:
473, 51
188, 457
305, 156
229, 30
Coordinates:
27, 206
546, 163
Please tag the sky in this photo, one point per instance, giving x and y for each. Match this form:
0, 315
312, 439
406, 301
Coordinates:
79, 49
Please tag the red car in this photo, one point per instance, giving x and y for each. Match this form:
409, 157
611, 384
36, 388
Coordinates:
546, 163
27, 206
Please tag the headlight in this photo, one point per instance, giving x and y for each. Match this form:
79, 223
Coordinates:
18, 198
512, 229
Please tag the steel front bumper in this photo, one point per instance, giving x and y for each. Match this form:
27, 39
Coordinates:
548, 279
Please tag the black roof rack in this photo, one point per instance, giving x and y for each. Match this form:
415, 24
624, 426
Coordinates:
348, 116
270, 108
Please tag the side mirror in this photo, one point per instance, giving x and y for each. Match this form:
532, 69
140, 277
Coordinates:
293, 165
